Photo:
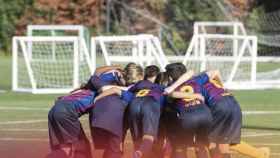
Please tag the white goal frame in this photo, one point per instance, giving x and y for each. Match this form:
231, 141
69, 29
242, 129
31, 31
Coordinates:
20, 43
82, 34
146, 50
197, 52
197, 48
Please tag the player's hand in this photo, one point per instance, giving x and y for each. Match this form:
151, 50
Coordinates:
97, 98
199, 97
167, 90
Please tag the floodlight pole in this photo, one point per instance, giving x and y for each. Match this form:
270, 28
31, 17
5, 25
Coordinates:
108, 15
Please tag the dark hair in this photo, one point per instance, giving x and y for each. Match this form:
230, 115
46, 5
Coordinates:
175, 70
151, 71
163, 79
85, 86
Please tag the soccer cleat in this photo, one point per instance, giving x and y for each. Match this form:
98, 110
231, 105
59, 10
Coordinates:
251, 151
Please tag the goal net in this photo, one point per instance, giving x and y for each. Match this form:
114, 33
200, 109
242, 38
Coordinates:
141, 49
45, 69
80, 31
224, 46
51, 59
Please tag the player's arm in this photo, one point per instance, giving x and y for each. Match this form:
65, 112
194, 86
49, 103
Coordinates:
215, 75
124, 94
110, 91
184, 95
186, 76
104, 88
103, 69
206, 76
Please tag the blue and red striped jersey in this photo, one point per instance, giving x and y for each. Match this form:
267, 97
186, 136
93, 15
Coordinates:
81, 99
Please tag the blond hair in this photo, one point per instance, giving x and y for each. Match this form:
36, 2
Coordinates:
133, 73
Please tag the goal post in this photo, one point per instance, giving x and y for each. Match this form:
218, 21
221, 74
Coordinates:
60, 30
79, 31
215, 51
41, 73
143, 49
227, 46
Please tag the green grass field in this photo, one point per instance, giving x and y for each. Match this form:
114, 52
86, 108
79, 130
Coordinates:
23, 119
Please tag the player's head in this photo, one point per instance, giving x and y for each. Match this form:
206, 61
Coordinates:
129, 66
133, 73
151, 72
175, 70
163, 79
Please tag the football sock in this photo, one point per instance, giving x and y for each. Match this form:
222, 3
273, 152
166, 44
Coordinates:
249, 150
147, 144
180, 153
202, 152
215, 153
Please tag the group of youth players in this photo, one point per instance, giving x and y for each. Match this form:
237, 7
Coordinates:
166, 112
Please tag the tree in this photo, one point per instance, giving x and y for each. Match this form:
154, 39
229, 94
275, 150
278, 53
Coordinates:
181, 15
72, 12
10, 12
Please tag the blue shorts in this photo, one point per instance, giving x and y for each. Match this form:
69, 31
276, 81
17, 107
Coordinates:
194, 122
143, 116
65, 129
227, 121
108, 114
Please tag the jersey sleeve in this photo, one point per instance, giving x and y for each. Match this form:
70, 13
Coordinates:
97, 82
109, 77
201, 79
127, 96
133, 88
160, 87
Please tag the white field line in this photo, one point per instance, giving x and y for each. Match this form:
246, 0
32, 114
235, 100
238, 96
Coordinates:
42, 140
266, 144
45, 129
23, 130
25, 108
24, 139
22, 122
260, 112
29, 121
261, 135
30, 130
257, 112
87, 131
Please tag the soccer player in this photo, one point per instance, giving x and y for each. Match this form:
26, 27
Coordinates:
168, 117
145, 109
67, 137
107, 115
227, 120
194, 116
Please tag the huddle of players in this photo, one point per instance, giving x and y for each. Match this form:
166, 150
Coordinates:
174, 108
